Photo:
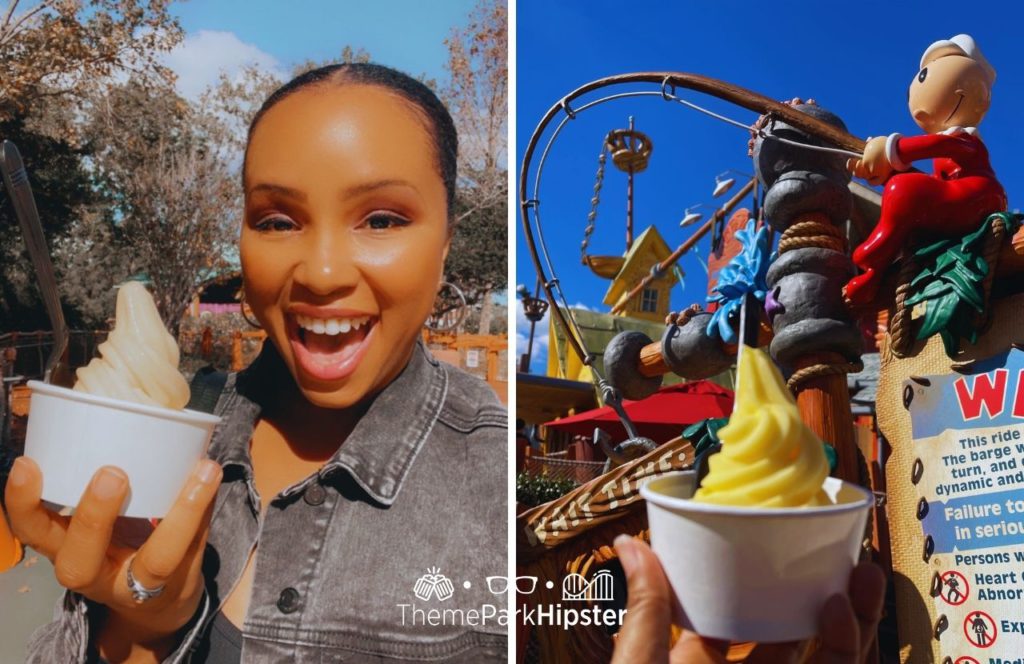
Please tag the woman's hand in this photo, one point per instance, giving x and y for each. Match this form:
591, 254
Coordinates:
847, 624
87, 561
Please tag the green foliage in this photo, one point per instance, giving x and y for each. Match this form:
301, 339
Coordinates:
833, 458
536, 490
950, 286
704, 434
478, 260
61, 188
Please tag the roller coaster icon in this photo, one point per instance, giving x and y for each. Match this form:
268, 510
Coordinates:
576, 588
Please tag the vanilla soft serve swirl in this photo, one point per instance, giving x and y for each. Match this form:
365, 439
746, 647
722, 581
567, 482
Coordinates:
769, 457
139, 360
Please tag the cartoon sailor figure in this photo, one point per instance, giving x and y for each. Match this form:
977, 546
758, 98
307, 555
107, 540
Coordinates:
948, 98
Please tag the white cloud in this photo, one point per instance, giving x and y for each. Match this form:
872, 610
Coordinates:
539, 358
202, 56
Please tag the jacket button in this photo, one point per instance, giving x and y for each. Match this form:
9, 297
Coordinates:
315, 494
288, 602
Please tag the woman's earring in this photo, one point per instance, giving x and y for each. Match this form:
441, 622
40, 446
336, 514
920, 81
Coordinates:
450, 309
246, 311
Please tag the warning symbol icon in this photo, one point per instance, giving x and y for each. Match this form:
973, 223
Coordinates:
955, 588
980, 629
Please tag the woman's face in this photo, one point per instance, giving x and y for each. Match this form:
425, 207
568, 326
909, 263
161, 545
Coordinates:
345, 236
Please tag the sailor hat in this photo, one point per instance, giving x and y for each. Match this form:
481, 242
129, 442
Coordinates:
966, 46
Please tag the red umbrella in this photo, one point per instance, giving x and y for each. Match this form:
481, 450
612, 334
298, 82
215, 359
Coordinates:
660, 417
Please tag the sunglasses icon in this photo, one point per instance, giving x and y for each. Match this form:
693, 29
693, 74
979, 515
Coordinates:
498, 585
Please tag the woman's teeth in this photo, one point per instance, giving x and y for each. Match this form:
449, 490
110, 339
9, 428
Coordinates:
331, 326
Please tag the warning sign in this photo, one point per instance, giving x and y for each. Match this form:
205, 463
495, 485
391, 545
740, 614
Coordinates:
955, 589
966, 660
980, 629
968, 476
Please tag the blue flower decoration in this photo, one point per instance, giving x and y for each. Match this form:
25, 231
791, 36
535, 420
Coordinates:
744, 274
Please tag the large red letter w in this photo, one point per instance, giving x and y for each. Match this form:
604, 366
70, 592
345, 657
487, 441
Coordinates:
984, 393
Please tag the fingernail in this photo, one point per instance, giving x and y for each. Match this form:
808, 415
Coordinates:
108, 483
626, 549
19, 474
207, 471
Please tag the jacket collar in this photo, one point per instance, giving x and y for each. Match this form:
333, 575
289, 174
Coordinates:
379, 452
953, 131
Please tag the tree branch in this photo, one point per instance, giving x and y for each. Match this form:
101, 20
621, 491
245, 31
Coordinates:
19, 24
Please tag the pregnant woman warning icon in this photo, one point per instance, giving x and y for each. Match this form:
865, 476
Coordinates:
980, 629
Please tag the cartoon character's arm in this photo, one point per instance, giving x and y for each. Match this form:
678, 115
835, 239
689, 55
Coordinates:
902, 151
873, 165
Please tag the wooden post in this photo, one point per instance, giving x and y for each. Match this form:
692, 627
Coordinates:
236, 351
492, 364
824, 404
816, 338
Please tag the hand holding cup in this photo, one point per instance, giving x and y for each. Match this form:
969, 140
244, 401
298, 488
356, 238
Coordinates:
88, 560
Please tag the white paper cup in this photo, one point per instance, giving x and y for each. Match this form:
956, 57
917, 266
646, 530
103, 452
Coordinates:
752, 574
72, 434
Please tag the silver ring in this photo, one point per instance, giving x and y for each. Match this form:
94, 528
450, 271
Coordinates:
141, 593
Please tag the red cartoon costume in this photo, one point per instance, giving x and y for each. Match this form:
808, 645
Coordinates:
951, 90
961, 192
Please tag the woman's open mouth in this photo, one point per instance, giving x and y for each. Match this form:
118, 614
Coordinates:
329, 349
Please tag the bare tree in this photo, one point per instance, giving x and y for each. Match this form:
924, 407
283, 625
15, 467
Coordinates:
61, 48
477, 96
177, 201
54, 54
232, 102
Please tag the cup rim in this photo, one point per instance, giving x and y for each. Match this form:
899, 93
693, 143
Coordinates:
689, 505
185, 415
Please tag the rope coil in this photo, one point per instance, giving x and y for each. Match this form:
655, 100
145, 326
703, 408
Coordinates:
900, 324
812, 234
801, 376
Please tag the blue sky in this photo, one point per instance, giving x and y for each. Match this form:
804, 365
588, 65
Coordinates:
405, 34
856, 59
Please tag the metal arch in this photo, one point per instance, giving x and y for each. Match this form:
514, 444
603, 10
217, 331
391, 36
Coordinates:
713, 87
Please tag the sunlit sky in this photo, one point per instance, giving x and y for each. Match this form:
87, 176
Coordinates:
856, 59
225, 34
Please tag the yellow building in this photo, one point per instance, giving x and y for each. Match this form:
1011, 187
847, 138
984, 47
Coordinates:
652, 302
644, 313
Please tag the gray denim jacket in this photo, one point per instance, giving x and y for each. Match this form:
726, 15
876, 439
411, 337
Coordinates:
381, 556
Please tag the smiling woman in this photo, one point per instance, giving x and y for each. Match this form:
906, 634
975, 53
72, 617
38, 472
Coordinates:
345, 234
349, 461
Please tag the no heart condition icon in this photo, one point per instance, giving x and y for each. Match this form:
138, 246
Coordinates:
955, 589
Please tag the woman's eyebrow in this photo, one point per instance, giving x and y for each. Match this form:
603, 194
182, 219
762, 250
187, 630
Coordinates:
367, 187
279, 189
